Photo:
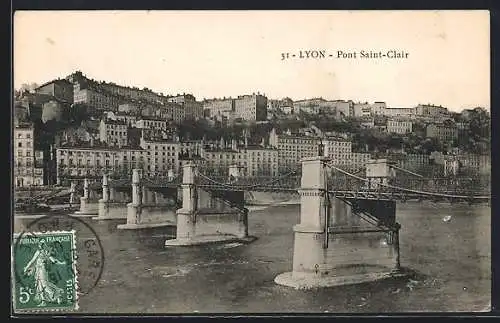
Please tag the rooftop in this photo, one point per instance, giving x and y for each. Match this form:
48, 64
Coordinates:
99, 148
116, 122
151, 119
66, 82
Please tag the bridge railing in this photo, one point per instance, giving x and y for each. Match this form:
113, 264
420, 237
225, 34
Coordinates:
284, 182
456, 186
452, 186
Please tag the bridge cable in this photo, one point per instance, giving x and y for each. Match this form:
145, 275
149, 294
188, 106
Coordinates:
406, 171
245, 186
407, 189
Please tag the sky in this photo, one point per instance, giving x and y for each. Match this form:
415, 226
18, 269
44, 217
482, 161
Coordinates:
230, 53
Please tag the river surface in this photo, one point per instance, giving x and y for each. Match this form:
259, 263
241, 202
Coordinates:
141, 276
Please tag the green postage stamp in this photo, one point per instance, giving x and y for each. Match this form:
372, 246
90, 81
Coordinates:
44, 272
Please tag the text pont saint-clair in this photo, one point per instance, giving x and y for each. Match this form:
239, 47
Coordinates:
363, 54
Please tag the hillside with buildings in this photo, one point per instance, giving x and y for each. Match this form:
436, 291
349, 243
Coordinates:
78, 127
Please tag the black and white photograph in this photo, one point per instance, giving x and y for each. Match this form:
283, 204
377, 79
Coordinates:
250, 162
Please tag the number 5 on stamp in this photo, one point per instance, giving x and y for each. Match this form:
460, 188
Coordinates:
45, 276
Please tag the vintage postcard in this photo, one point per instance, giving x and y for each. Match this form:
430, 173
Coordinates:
232, 162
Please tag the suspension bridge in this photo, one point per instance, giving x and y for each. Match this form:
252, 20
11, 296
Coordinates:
347, 220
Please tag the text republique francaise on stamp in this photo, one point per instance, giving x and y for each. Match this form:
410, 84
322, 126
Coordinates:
45, 276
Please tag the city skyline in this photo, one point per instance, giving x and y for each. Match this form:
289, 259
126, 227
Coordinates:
212, 56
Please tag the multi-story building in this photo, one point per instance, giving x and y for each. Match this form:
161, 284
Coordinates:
192, 109
151, 123
191, 147
358, 161
399, 126
128, 118
362, 109
129, 108
161, 156
113, 132
218, 158
428, 110
124, 92
345, 107
378, 108
254, 160
400, 112
291, 149
367, 122
316, 105
443, 132
94, 161
94, 97
339, 150
219, 108
60, 89
251, 107
261, 161
172, 112
28, 162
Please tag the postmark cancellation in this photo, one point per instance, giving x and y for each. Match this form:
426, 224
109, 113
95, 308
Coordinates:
44, 272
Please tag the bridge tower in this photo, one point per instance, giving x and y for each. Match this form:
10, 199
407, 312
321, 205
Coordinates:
331, 249
379, 171
87, 208
234, 172
308, 251
72, 190
197, 224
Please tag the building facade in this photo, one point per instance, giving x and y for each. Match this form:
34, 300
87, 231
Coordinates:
28, 162
445, 133
113, 132
193, 110
95, 99
429, 110
251, 107
151, 123
61, 90
338, 150
399, 126
160, 156
93, 161
261, 161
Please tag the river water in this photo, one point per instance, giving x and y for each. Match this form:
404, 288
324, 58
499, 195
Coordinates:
141, 276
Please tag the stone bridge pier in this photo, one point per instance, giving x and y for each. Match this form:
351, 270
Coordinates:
148, 208
88, 203
203, 220
331, 246
113, 204
73, 198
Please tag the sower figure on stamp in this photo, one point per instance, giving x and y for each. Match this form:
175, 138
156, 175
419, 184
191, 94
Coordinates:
45, 290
